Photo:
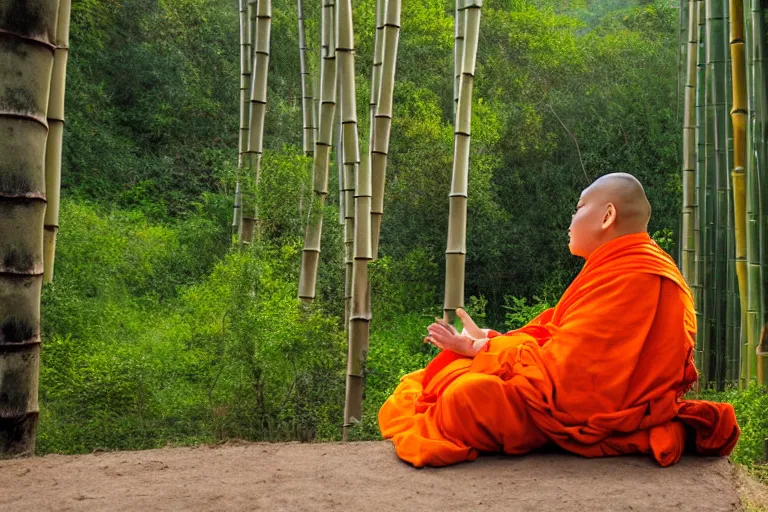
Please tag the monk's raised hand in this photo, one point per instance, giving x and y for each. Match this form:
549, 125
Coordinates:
448, 339
469, 325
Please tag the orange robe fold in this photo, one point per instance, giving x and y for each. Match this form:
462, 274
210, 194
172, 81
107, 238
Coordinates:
602, 373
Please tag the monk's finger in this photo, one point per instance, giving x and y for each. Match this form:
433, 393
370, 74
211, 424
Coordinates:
437, 329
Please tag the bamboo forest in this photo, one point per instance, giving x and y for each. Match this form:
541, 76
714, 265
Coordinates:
235, 219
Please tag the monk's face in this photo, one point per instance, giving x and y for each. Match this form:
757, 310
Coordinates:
590, 223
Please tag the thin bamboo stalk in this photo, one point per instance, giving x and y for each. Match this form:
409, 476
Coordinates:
307, 99
376, 72
754, 293
360, 315
458, 51
321, 162
732, 310
716, 62
689, 148
245, 81
383, 119
455, 254
683, 39
258, 103
340, 164
237, 216
27, 35
55, 138
699, 290
760, 147
708, 345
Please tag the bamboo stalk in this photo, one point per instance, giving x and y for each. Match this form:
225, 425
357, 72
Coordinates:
689, 148
739, 121
751, 199
732, 310
340, 163
55, 138
383, 119
376, 72
245, 80
708, 184
27, 35
321, 162
258, 105
699, 290
237, 216
360, 315
458, 51
760, 147
716, 61
455, 254
307, 98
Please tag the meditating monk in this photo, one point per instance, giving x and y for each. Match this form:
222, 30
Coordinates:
602, 373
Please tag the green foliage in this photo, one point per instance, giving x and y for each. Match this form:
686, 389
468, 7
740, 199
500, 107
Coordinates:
402, 286
136, 356
520, 313
751, 407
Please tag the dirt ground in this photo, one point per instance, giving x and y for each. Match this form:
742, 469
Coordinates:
363, 477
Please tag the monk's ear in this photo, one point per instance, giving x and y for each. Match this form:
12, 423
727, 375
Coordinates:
610, 215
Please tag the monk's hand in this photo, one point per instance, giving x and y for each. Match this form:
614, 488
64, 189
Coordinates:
447, 338
469, 325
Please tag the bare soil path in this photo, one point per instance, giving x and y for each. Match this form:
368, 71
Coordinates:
359, 477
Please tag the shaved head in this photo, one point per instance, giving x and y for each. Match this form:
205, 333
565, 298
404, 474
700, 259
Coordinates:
612, 206
633, 211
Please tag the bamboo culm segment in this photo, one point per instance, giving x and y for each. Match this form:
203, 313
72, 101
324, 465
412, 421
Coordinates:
27, 37
245, 82
307, 99
359, 228
321, 161
699, 288
53, 148
457, 224
257, 111
689, 147
383, 119
738, 174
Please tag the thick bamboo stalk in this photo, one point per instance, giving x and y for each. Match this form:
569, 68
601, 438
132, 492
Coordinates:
307, 99
760, 147
360, 314
55, 138
321, 162
739, 122
689, 147
258, 103
455, 254
27, 35
383, 119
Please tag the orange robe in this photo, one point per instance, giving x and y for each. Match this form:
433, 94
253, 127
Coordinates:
602, 373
